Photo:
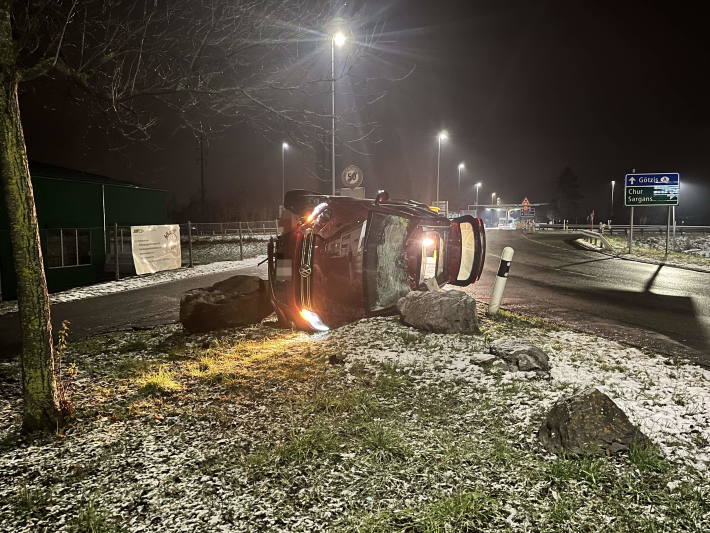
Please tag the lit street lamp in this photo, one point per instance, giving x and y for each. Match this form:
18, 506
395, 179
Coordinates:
284, 147
461, 167
612, 199
441, 137
478, 186
338, 39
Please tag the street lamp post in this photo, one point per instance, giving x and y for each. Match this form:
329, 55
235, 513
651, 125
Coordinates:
284, 147
441, 137
478, 186
461, 167
612, 199
338, 39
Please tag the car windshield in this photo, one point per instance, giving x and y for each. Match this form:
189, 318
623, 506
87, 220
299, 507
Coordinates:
385, 271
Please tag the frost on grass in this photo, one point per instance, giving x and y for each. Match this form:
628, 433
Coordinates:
688, 250
372, 427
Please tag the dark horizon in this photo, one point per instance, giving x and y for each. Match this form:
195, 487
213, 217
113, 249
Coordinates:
524, 90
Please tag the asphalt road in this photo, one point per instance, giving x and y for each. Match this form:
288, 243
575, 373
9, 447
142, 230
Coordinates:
664, 308
138, 308
660, 307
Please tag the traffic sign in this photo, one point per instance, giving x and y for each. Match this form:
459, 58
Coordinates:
652, 189
352, 176
530, 213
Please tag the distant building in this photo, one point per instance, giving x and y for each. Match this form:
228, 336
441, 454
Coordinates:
76, 212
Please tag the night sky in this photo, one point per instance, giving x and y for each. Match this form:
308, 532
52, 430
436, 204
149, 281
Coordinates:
524, 88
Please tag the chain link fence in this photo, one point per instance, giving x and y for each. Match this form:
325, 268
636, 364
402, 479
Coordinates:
204, 243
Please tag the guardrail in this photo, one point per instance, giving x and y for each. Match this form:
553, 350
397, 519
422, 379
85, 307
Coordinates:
623, 229
596, 238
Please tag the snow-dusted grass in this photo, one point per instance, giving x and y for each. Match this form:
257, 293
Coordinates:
692, 249
371, 427
147, 280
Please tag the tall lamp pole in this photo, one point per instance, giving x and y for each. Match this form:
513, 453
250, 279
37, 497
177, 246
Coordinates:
284, 147
338, 39
461, 167
612, 199
478, 186
441, 137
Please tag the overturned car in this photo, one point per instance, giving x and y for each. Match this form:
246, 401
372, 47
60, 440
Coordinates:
338, 259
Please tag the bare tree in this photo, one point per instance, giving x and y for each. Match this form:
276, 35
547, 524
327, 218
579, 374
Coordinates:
207, 61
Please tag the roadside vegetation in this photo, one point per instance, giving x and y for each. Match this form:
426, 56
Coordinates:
689, 249
374, 427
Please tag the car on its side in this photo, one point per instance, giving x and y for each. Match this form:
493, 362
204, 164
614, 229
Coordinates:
338, 259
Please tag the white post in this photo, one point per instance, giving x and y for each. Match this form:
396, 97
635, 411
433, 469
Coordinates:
501, 278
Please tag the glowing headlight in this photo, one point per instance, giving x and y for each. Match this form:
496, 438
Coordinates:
317, 211
314, 320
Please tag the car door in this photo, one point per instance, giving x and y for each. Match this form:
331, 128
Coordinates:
466, 250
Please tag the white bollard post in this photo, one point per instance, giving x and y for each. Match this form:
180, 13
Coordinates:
501, 278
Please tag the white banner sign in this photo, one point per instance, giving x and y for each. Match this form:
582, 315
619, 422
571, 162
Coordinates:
155, 248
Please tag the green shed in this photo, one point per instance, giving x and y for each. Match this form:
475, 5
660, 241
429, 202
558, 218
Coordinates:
76, 213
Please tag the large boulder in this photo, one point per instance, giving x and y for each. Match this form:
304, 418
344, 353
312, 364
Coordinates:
588, 422
439, 311
233, 302
521, 354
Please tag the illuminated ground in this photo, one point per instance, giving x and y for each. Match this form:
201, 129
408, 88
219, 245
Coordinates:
372, 427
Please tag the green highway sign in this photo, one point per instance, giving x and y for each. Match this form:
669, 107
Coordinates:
652, 189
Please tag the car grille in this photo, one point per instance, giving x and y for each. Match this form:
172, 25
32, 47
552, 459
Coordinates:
305, 269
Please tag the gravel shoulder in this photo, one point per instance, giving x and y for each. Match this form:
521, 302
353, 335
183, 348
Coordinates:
374, 426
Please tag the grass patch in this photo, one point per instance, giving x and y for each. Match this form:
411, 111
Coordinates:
641, 249
382, 443
460, 511
91, 519
648, 458
158, 383
510, 318
133, 346
313, 444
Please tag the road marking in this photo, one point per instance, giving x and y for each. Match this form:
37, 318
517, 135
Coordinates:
575, 272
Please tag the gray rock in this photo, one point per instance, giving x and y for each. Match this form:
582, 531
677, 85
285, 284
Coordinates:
482, 358
233, 302
521, 355
439, 311
588, 423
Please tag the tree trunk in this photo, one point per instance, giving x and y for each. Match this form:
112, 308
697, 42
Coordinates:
41, 392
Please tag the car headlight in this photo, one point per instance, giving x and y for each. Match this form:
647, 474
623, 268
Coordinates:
313, 320
316, 211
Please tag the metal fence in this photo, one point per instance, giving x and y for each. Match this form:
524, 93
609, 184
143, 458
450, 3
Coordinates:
623, 229
200, 243
106, 252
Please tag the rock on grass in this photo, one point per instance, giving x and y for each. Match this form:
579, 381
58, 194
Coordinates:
588, 422
439, 311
